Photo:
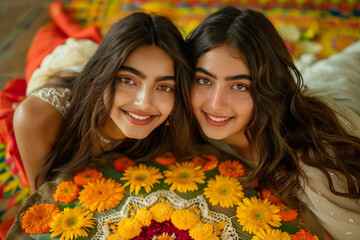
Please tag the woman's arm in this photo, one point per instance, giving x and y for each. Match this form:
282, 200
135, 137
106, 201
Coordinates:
36, 125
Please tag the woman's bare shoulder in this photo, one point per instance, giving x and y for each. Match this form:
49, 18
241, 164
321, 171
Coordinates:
34, 115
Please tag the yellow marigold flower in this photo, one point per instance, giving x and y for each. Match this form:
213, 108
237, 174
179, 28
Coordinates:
184, 219
202, 231
161, 212
224, 190
271, 234
144, 217
141, 176
255, 214
101, 195
213, 237
86, 176
115, 237
129, 228
72, 223
37, 219
184, 176
232, 168
66, 192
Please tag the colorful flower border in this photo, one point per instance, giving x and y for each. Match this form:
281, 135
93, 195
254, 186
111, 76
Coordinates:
173, 200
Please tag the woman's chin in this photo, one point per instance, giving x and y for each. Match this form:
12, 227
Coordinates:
216, 135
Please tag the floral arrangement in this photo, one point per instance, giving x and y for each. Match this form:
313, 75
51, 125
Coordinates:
164, 215
164, 199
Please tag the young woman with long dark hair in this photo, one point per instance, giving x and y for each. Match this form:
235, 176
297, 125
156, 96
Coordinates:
249, 100
130, 97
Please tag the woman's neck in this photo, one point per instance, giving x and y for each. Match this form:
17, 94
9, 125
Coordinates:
111, 131
108, 137
241, 145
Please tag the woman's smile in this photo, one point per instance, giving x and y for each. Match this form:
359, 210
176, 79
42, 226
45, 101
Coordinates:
216, 120
138, 118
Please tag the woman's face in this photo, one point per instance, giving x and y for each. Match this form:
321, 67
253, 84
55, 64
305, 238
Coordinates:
144, 93
220, 93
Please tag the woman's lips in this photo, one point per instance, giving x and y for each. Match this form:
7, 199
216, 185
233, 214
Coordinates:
138, 118
216, 120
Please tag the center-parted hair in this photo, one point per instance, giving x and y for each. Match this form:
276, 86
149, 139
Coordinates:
89, 110
287, 126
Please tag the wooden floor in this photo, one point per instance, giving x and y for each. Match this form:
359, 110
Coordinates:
19, 21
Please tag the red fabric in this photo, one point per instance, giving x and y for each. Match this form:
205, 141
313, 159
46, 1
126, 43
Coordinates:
13, 93
45, 41
4, 228
47, 38
54, 34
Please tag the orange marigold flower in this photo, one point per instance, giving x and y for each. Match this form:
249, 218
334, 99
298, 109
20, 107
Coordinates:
104, 194
206, 161
66, 192
271, 196
287, 214
37, 219
86, 176
303, 235
166, 159
232, 169
122, 163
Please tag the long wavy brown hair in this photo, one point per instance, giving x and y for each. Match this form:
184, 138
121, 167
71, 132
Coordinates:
287, 126
88, 110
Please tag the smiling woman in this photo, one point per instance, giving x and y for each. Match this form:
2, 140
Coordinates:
248, 99
124, 99
144, 93
221, 95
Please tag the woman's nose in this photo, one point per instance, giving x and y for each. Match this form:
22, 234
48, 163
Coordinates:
143, 97
217, 98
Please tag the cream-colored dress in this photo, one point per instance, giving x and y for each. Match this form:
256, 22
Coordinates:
337, 81
72, 55
340, 216
56, 97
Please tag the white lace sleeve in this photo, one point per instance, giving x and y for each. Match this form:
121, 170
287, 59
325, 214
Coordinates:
58, 98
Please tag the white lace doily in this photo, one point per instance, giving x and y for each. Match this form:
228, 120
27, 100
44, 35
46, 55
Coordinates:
174, 201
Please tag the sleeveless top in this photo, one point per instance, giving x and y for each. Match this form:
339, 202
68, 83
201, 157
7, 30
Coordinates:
56, 97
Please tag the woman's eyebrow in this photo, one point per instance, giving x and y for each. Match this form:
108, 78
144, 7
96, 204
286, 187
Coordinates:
230, 78
238, 77
199, 69
143, 76
165, 78
134, 71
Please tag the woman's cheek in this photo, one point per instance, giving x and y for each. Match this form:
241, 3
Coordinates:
198, 96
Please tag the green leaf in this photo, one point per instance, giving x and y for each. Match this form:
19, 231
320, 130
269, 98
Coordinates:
22, 195
250, 192
2, 166
289, 228
63, 206
45, 236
